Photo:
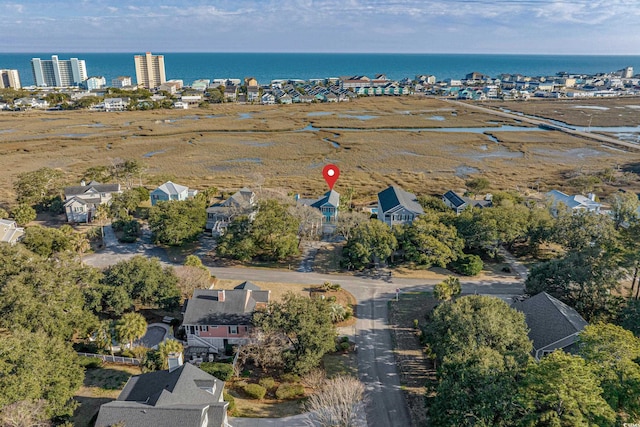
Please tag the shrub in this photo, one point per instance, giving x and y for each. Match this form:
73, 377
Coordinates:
267, 382
255, 391
344, 346
90, 362
290, 378
223, 371
467, 265
231, 409
289, 391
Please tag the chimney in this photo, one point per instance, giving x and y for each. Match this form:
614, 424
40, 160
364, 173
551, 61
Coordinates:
592, 197
221, 295
82, 183
174, 361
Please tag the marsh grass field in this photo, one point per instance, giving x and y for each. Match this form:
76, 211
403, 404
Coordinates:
376, 142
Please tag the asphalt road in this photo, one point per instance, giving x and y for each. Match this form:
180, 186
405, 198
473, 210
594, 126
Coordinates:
386, 405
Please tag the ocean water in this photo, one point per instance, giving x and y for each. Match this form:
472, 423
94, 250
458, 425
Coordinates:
269, 66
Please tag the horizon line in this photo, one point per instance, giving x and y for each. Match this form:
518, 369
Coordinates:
325, 53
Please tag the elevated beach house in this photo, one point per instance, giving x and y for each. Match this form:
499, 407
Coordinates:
82, 201
170, 191
397, 207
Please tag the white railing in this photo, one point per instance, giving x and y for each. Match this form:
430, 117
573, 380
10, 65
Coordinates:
113, 359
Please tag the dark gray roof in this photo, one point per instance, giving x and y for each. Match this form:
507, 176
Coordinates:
395, 196
454, 199
139, 415
549, 319
248, 285
91, 187
205, 308
167, 399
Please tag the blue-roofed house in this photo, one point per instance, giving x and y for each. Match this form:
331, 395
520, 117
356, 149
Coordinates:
170, 191
575, 204
328, 205
397, 207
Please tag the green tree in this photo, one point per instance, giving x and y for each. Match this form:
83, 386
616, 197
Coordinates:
175, 222
624, 208
474, 321
236, 242
562, 391
165, 348
428, 242
448, 288
614, 353
23, 214
585, 230
478, 185
36, 366
433, 204
586, 280
306, 323
370, 241
475, 389
130, 327
194, 261
140, 280
468, 265
38, 187
482, 347
124, 205
3, 214
629, 317
46, 241
274, 231
105, 334
43, 295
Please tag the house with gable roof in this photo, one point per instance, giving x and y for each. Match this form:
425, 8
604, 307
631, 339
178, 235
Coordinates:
576, 203
183, 395
215, 318
552, 324
398, 207
220, 215
82, 201
170, 191
328, 205
459, 203
10, 232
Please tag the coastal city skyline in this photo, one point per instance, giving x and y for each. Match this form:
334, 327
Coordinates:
383, 26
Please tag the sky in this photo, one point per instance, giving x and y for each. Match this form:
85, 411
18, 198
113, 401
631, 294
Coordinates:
367, 26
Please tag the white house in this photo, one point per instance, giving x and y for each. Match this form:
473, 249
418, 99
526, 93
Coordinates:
575, 203
170, 191
81, 202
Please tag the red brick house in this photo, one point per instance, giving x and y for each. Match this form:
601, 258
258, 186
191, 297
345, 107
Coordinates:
216, 318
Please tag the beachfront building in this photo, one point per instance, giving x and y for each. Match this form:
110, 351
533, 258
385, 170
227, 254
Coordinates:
150, 70
95, 82
9, 79
58, 72
121, 81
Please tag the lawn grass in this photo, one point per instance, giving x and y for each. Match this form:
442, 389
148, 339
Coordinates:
101, 385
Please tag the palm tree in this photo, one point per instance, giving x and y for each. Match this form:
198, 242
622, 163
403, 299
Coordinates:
130, 327
80, 244
105, 334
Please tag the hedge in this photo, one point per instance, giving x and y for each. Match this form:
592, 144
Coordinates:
223, 371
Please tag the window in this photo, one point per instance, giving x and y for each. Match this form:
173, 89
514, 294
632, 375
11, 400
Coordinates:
233, 330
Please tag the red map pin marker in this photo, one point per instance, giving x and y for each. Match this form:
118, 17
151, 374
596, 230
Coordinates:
331, 174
